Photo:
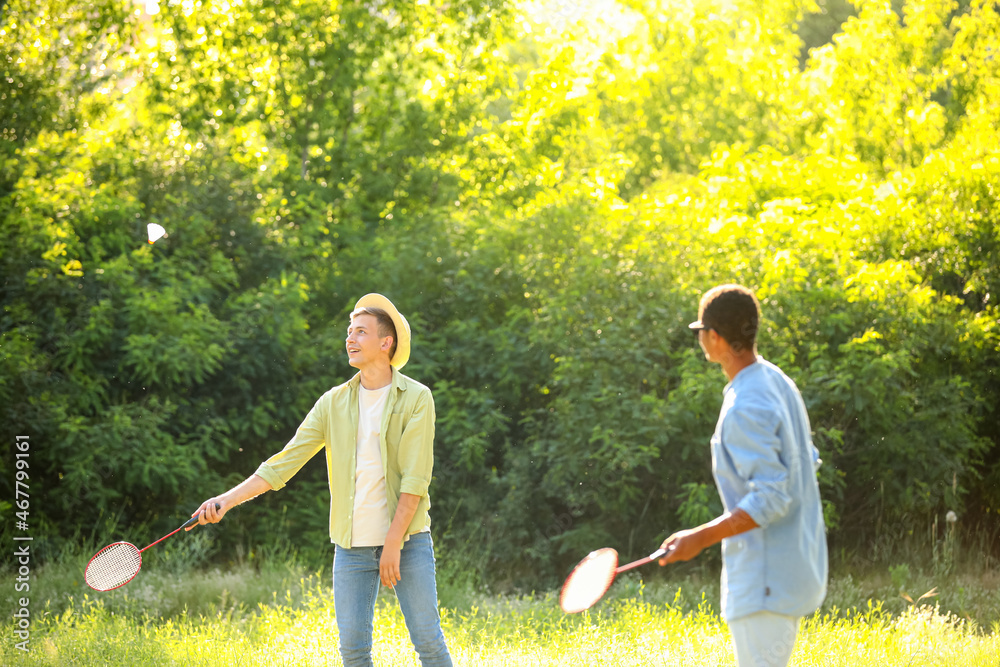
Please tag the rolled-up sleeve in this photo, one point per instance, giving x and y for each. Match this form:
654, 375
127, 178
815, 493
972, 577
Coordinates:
750, 438
416, 448
307, 441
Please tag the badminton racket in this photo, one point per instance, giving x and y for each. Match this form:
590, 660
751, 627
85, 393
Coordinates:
593, 576
117, 564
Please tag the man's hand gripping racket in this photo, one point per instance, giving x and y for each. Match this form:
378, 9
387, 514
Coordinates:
117, 564
593, 576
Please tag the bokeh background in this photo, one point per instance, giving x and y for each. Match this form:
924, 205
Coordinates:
545, 190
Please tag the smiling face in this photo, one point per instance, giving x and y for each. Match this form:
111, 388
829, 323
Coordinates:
364, 345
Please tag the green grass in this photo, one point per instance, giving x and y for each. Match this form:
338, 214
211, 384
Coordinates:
282, 614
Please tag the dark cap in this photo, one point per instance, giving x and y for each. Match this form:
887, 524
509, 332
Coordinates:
732, 311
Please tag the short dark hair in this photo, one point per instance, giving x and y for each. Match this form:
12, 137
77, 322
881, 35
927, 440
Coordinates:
386, 327
734, 313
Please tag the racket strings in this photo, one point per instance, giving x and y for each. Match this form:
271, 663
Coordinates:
113, 566
589, 581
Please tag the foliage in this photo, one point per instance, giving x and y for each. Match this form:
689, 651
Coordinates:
546, 200
280, 613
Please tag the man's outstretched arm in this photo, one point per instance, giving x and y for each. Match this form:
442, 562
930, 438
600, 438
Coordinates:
249, 488
686, 544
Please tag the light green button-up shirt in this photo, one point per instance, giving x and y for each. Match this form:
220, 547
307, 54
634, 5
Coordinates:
406, 439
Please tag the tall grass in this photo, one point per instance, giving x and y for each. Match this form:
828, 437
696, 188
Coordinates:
281, 613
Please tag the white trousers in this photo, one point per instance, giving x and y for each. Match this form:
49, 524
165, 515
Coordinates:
764, 639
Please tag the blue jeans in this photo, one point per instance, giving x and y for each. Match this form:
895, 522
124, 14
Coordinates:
355, 585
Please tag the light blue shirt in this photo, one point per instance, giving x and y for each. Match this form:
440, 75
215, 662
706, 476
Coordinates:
764, 463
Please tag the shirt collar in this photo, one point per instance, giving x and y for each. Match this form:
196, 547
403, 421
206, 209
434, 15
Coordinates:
397, 380
744, 373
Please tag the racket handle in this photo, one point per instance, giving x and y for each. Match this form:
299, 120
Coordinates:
194, 519
659, 553
186, 524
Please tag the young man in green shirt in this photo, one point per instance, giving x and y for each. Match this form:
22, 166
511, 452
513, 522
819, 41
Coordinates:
377, 430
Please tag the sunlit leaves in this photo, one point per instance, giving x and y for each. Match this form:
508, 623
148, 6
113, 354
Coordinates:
547, 201
877, 86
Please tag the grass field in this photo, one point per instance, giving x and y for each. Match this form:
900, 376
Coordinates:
283, 615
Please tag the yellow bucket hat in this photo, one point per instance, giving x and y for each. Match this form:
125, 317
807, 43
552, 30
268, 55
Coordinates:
402, 354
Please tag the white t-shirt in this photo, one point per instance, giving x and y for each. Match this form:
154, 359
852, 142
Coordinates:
371, 509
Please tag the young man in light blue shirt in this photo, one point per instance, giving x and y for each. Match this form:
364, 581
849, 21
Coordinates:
774, 555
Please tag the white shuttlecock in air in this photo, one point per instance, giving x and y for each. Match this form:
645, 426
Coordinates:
155, 231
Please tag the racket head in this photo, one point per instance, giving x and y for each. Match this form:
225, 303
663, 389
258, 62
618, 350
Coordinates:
113, 566
589, 581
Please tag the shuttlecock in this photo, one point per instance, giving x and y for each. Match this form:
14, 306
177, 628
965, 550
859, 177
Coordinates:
155, 231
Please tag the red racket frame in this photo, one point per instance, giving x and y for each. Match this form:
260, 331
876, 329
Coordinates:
659, 553
187, 523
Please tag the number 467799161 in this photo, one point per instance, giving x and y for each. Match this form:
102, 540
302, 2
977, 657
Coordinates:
21, 482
